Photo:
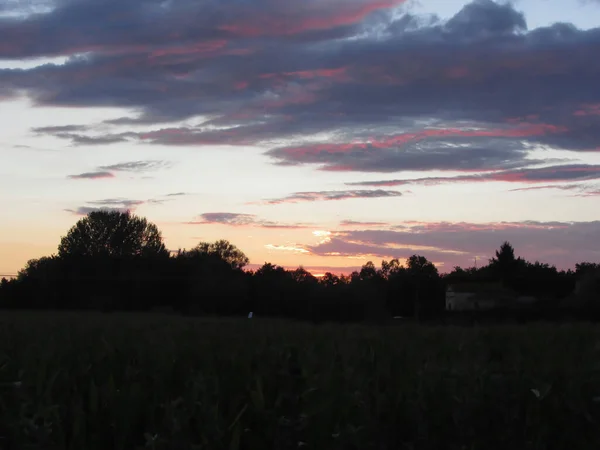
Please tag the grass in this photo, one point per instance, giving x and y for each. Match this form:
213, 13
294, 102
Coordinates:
85, 381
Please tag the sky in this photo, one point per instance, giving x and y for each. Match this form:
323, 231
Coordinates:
322, 133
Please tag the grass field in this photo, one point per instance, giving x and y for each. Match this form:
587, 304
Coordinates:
70, 381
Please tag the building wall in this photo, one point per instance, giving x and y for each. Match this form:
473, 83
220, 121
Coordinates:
467, 301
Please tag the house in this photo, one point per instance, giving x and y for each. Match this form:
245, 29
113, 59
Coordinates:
482, 296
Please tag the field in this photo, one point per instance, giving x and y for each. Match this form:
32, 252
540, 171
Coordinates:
85, 381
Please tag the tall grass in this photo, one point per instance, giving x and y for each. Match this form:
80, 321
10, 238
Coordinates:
75, 381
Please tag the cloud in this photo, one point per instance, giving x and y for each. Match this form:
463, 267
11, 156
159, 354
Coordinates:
332, 195
354, 223
85, 210
579, 190
559, 243
286, 248
92, 175
346, 85
181, 29
59, 129
136, 166
557, 173
112, 204
75, 133
118, 202
131, 166
237, 220
79, 139
408, 153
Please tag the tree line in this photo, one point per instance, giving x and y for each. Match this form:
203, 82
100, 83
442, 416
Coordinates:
117, 261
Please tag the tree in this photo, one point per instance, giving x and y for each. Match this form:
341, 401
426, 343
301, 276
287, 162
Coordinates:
419, 265
368, 271
505, 262
112, 233
586, 267
301, 275
329, 279
420, 269
225, 251
389, 269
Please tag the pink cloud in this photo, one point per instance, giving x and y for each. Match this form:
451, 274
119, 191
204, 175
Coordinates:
523, 131
317, 196
241, 220
338, 74
303, 17
588, 110
192, 49
559, 173
560, 243
92, 175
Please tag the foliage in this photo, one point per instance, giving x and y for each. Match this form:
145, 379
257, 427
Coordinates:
223, 250
112, 233
133, 382
113, 261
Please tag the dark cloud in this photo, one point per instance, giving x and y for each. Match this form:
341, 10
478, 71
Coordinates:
234, 219
118, 202
560, 173
92, 175
108, 204
486, 19
85, 210
75, 133
136, 166
131, 166
332, 195
60, 129
185, 28
476, 92
80, 139
576, 190
559, 243
397, 153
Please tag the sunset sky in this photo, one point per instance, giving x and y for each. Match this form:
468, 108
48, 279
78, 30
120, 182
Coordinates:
322, 133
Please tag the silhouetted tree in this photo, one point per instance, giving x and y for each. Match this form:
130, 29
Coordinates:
303, 276
117, 261
329, 280
224, 250
584, 267
389, 269
426, 279
587, 294
505, 263
112, 233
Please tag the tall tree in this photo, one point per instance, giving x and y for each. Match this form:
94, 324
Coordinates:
368, 271
421, 266
224, 250
112, 233
585, 267
422, 271
505, 262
